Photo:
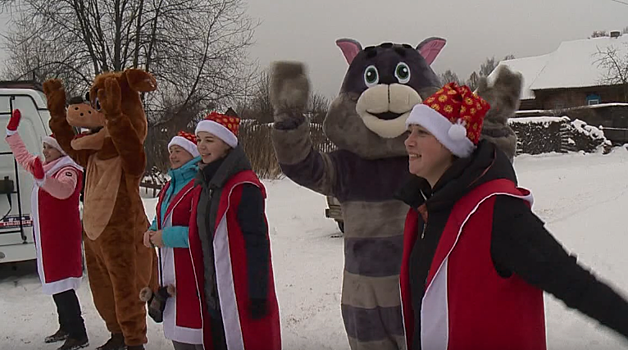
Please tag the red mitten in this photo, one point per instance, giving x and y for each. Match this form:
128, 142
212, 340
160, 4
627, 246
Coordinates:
14, 122
38, 169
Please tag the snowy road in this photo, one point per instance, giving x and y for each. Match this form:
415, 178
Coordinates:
583, 200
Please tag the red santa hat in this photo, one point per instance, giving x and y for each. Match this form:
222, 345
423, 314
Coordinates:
186, 141
454, 115
222, 126
52, 141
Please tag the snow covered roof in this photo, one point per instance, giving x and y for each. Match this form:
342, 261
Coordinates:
574, 64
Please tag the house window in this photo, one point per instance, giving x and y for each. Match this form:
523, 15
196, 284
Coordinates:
593, 100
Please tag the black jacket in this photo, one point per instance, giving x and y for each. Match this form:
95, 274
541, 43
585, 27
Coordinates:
251, 218
520, 244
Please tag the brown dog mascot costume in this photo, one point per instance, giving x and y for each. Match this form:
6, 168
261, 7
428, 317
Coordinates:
111, 150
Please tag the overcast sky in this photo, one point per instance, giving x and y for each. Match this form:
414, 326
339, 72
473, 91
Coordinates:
306, 30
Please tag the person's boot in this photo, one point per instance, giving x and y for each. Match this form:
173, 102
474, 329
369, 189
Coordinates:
116, 342
60, 335
135, 347
74, 344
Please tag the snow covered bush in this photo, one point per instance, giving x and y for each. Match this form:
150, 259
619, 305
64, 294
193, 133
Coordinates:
586, 137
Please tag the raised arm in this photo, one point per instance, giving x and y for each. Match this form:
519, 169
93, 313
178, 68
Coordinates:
291, 132
21, 154
124, 136
55, 96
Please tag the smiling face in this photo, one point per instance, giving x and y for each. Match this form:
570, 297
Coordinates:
178, 156
427, 157
211, 147
50, 153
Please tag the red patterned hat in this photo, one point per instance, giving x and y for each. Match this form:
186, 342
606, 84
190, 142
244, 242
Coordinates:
454, 115
222, 126
186, 141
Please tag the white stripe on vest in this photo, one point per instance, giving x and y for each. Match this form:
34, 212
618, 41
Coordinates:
434, 309
224, 279
171, 330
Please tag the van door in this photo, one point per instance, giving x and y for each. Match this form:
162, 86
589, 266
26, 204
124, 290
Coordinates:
16, 232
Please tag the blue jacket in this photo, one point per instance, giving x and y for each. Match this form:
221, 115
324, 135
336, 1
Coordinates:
176, 236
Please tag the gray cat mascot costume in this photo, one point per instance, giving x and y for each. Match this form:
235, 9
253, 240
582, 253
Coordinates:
367, 124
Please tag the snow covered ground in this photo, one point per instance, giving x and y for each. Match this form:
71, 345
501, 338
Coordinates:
582, 198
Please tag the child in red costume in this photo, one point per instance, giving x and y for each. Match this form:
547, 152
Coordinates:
57, 230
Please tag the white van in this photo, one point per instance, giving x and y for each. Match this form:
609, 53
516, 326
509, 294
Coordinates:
16, 230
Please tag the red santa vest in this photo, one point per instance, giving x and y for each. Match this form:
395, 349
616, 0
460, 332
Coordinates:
467, 305
241, 330
182, 315
57, 232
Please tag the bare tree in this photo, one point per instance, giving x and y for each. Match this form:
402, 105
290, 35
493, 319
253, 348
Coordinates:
449, 77
473, 81
196, 49
258, 107
486, 69
318, 107
616, 67
488, 66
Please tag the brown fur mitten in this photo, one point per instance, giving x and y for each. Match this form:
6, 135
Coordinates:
111, 98
139, 80
55, 97
171, 290
145, 294
289, 93
503, 96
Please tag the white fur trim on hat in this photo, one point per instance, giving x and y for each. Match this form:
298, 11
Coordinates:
218, 130
452, 136
185, 144
52, 142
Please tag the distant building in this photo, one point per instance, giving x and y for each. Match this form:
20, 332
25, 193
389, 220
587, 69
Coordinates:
571, 76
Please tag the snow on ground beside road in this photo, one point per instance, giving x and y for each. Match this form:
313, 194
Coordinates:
582, 198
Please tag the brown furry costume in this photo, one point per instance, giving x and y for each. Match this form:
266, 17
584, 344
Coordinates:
112, 153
